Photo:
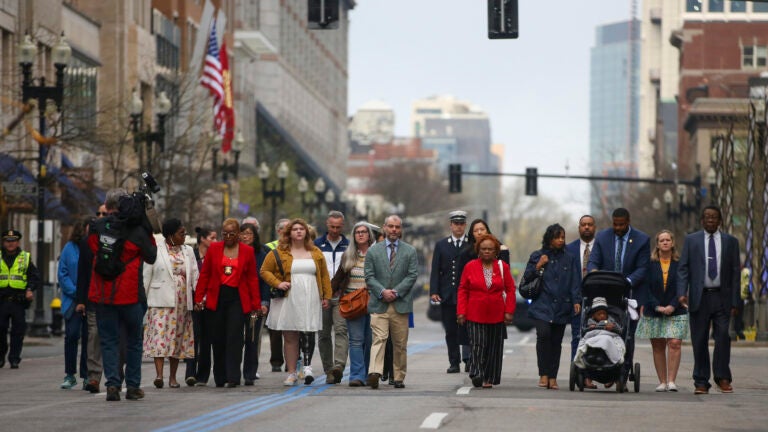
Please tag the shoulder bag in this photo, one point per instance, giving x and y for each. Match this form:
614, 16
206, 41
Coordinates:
531, 288
353, 305
273, 291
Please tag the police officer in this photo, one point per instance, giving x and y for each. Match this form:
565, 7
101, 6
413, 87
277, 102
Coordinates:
444, 284
18, 279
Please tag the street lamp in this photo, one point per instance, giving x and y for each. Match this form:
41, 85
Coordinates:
274, 192
41, 94
226, 168
712, 182
162, 108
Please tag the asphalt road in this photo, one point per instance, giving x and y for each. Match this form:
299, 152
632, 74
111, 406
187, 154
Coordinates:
30, 398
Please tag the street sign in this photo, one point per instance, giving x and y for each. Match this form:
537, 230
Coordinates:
19, 187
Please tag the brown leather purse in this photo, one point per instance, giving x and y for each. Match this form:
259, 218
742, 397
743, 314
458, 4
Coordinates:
355, 304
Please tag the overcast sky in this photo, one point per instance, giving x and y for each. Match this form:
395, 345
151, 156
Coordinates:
535, 89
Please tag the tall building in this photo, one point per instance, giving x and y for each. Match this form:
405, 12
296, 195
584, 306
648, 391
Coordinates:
613, 129
374, 122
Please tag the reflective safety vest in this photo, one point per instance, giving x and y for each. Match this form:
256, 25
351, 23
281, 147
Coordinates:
16, 276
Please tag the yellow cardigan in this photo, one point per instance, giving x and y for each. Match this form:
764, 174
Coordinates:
271, 273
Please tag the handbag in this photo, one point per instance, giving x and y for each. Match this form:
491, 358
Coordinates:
353, 305
530, 289
273, 291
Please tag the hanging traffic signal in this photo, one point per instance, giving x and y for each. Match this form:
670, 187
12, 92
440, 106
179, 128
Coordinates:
323, 14
502, 19
454, 178
531, 178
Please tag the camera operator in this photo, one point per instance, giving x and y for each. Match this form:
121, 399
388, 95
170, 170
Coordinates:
118, 300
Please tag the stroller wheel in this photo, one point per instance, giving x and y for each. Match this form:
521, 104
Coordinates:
572, 377
637, 377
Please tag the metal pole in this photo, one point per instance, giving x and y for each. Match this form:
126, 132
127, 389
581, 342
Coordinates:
38, 324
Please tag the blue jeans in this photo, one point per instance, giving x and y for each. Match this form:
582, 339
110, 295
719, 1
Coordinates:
109, 318
76, 330
359, 347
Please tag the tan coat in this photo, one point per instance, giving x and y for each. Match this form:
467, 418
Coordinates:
272, 276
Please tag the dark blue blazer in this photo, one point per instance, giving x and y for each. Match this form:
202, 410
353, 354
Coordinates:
574, 248
637, 258
446, 269
693, 268
657, 296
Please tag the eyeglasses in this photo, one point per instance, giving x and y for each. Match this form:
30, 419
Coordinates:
361, 232
228, 233
101, 213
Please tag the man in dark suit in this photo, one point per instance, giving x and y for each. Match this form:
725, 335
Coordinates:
444, 284
581, 248
626, 250
708, 282
391, 269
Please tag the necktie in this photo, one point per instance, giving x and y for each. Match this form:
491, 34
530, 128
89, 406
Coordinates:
584, 261
458, 244
712, 264
619, 250
392, 255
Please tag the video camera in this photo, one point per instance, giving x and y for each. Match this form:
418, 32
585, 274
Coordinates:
138, 208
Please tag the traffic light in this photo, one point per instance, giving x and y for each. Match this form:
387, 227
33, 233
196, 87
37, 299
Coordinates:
323, 14
531, 178
502, 19
454, 178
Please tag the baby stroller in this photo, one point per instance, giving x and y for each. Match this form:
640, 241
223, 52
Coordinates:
615, 288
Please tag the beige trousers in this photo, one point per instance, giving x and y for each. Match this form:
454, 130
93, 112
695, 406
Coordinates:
382, 326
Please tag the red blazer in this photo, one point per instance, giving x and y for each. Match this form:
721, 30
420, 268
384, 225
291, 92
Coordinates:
210, 278
480, 304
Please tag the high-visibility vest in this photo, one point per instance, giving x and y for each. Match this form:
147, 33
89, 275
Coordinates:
16, 276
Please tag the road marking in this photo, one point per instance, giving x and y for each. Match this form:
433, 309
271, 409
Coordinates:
524, 340
509, 351
433, 421
463, 391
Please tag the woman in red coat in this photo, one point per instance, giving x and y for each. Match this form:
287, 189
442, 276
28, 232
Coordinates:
229, 287
486, 302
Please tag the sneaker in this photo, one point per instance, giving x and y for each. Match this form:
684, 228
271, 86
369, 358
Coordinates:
68, 383
671, 387
134, 393
661, 387
308, 377
191, 381
113, 393
290, 380
257, 376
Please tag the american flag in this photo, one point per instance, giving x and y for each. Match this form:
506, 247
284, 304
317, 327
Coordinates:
212, 79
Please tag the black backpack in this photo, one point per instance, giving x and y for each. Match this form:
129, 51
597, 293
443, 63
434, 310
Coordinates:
111, 234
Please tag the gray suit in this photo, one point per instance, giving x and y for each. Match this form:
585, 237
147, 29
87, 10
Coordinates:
709, 305
390, 318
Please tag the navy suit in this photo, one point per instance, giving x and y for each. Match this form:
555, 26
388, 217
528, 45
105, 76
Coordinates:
711, 305
637, 260
444, 281
574, 248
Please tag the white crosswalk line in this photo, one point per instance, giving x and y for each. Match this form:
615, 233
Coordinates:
433, 421
463, 391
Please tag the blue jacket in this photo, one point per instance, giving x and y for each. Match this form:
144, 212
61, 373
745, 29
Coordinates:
332, 256
657, 296
637, 258
67, 275
562, 286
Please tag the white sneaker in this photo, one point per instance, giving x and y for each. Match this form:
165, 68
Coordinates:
290, 380
308, 377
257, 376
661, 387
671, 387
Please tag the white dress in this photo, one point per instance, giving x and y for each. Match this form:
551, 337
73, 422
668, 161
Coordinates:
302, 309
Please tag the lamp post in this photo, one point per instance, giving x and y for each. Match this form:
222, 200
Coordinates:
274, 192
162, 108
712, 182
41, 94
226, 169
321, 195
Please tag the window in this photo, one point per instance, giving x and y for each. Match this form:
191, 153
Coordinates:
759, 7
738, 6
80, 96
716, 5
754, 56
693, 5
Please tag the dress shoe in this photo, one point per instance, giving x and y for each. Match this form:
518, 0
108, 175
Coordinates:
391, 381
356, 383
248, 382
113, 394
373, 380
92, 386
385, 376
191, 381
453, 369
399, 384
14, 365
701, 391
276, 369
477, 381
724, 386
337, 373
330, 379
158, 382
230, 385
466, 366
134, 393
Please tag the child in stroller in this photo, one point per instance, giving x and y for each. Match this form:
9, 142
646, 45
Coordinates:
602, 345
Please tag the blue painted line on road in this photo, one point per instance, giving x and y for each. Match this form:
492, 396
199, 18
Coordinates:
242, 410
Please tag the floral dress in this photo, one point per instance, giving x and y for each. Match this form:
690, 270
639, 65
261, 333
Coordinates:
168, 331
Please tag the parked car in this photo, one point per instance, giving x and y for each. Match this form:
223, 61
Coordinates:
521, 319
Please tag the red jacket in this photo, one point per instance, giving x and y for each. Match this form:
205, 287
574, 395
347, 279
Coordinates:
210, 278
480, 304
124, 290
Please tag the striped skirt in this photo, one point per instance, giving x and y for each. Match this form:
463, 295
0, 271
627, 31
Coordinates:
666, 327
487, 343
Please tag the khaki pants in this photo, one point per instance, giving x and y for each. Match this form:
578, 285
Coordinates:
382, 326
94, 348
333, 351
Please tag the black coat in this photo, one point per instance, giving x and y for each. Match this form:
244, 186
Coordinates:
446, 271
